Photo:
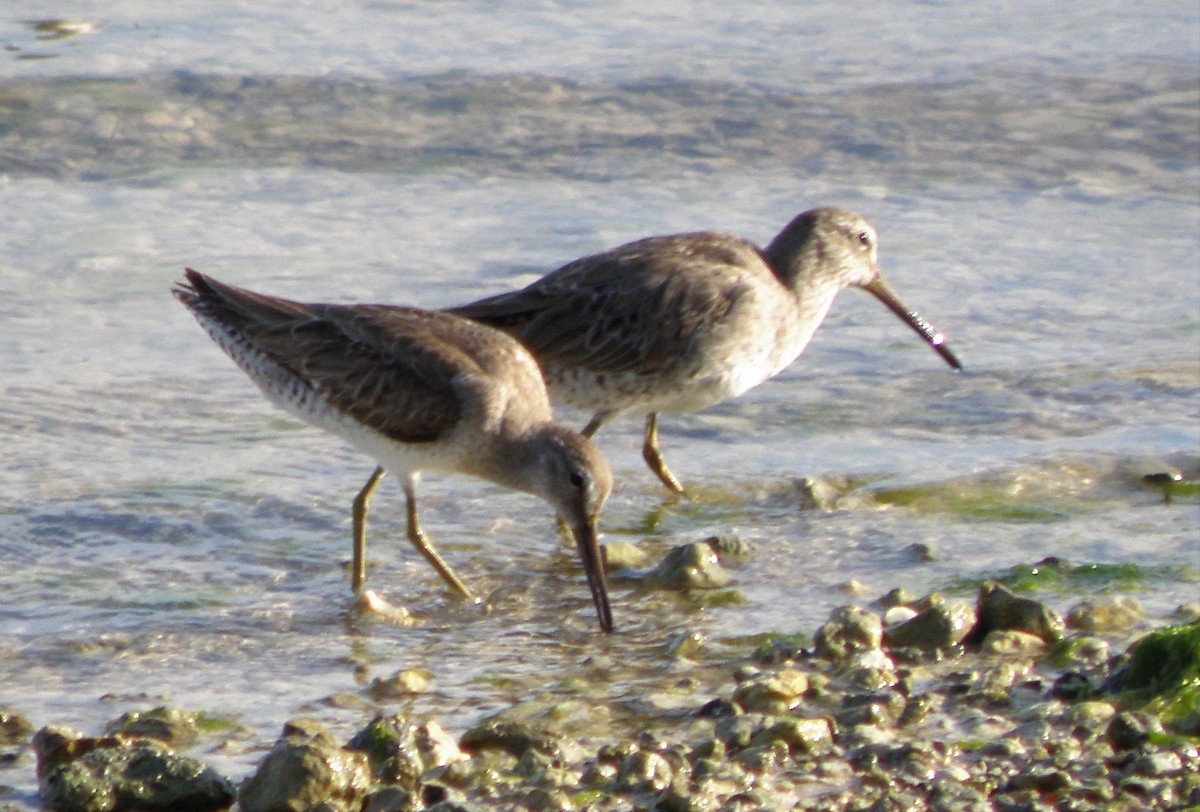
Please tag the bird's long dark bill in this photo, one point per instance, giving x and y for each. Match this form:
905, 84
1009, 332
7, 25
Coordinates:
593, 565
884, 293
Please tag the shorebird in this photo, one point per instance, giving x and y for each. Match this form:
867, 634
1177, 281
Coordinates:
681, 322
418, 390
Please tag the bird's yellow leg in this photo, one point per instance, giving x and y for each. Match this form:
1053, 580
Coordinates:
419, 540
654, 457
358, 516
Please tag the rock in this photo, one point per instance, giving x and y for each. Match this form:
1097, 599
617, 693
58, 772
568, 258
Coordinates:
936, 628
370, 602
800, 735
848, 630
1164, 662
881, 709
645, 771
896, 615
1118, 613
731, 550
1130, 730
921, 552
403, 683
306, 767
391, 799
165, 724
1011, 643
687, 645
1073, 686
894, 598
999, 608
14, 728
821, 493
1083, 651
1089, 718
853, 587
110, 774
772, 693
400, 752
514, 737
690, 566
1043, 781
623, 555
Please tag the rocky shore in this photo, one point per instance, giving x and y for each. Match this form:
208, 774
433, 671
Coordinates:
895, 703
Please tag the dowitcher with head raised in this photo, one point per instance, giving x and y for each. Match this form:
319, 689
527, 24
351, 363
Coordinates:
681, 322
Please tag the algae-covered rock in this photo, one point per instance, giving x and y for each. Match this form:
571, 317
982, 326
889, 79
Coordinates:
1163, 671
307, 767
109, 774
849, 629
390, 746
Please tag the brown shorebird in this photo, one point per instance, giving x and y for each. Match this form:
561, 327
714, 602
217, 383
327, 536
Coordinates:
418, 391
685, 321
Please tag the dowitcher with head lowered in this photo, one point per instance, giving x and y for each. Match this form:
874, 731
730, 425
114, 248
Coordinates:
417, 390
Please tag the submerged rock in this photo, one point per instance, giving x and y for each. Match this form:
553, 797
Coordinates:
690, 566
112, 773
623, 555
822, 492
307, 767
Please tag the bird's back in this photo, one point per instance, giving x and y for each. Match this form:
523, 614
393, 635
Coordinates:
410, 375
642, 321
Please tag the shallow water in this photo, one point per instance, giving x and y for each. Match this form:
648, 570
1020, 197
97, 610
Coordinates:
169, 537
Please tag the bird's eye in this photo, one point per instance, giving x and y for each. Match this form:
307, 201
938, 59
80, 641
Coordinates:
576, 479
864, 239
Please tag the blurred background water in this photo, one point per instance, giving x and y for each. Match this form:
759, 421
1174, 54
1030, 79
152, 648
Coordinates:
166, 536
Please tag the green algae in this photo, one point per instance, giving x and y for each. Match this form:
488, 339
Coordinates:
976, 501
1163, 676
1059, 575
